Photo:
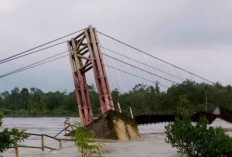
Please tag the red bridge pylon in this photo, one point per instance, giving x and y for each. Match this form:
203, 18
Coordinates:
85, 54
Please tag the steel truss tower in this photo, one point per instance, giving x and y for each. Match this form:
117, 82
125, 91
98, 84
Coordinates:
85, 54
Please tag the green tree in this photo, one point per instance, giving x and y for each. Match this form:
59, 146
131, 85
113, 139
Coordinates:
25, 98
36, 103
198, 140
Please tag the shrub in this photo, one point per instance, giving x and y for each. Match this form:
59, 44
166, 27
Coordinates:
8, 137
85, 143
198, 140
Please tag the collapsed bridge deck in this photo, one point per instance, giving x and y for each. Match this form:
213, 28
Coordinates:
219, 112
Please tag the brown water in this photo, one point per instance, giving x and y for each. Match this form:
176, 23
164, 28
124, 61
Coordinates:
52, 126
45, 125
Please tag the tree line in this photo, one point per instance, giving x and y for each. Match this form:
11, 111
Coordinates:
142, 99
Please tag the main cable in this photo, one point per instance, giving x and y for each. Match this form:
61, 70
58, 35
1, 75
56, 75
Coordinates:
40, 45
33, 52
142, 63
46, 60
41, 62
156, 57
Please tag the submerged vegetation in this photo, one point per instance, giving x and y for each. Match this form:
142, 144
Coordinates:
198, 139
143, 100
85, 142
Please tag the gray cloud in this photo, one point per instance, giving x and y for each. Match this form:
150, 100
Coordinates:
196, 35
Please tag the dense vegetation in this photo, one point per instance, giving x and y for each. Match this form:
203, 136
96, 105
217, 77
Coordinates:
198, 140
143, 100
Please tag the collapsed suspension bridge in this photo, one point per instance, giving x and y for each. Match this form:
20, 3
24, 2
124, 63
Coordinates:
120, 65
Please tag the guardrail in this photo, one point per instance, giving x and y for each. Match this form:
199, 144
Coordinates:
43, 146
125, 110
69, 125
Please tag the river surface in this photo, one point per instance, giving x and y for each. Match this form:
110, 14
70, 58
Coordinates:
46, 125
52, 126
49, 126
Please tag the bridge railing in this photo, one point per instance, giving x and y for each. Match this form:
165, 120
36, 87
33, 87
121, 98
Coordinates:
43, 146
126, 109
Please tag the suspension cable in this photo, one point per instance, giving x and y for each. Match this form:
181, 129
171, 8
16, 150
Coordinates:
156, 57
5, 59
140, 69
135, 75
142, 63
41, 62
33, 52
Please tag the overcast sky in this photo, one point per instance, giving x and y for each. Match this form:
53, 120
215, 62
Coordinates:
193, 34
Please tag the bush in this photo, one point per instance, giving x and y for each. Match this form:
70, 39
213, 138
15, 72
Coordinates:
85, 142
198, 140
8, 137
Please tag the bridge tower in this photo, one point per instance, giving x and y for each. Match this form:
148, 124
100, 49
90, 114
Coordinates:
85, 54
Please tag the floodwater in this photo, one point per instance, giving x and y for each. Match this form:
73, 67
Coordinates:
45, 125
52, 126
